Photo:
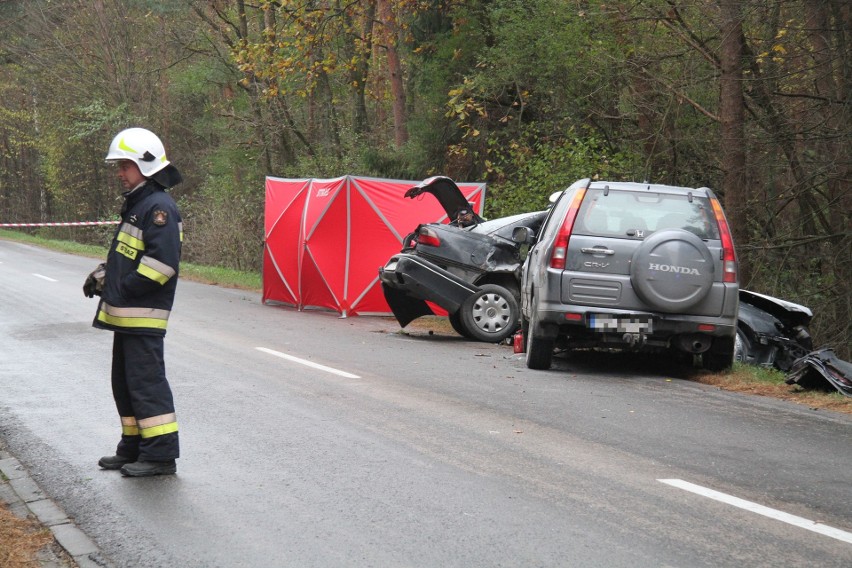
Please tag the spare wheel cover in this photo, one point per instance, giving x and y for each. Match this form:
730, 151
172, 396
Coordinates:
672, 270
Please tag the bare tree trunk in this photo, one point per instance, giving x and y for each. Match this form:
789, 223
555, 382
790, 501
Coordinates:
254, 99
359, 73
400, 119
827, 25
331, 124
241, 17
648, 119
830, 84
732, 115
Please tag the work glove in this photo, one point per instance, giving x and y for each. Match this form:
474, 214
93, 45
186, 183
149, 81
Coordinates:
95, 282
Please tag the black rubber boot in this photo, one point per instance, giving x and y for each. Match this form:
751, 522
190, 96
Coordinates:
114, 462
146, 468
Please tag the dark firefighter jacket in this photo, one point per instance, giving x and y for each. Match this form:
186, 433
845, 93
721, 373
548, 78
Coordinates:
142, 264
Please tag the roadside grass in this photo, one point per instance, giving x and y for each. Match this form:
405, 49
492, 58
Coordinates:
222, 276
764, 381
243, 280
62, 246
742, 378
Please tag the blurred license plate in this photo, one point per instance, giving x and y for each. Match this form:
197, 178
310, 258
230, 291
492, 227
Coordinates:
623, 324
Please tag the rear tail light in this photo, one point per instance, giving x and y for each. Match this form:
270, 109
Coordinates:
429, 237
729, 257
560, 245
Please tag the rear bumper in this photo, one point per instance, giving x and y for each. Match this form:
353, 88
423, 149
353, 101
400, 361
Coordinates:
409, 281
684, 332
662, 324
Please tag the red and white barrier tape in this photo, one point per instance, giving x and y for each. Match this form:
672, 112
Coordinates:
71, 224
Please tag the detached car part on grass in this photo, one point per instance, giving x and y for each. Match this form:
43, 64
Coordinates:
822, 370
470, 267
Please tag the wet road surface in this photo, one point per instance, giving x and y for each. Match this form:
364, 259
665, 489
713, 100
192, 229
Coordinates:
313, 440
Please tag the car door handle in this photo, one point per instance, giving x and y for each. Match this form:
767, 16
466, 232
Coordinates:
593, 250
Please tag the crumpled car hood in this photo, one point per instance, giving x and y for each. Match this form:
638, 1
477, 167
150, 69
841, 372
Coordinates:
795, 314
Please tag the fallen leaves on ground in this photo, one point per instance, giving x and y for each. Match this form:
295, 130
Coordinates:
20, 540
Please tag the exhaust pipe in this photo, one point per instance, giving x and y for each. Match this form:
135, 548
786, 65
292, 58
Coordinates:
634, 340
694, 343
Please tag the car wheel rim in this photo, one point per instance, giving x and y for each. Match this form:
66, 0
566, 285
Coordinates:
491, 313
739, 348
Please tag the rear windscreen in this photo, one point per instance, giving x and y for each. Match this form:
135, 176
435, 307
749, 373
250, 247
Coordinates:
633, 214
503, 226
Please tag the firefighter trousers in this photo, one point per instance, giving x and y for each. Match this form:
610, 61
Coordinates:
143, 399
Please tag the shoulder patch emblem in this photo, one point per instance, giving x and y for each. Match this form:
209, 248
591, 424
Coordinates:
160, 217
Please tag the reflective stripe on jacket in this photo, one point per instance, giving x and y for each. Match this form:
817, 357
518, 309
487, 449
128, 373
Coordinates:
142, 264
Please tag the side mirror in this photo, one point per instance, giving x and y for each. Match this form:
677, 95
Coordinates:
523, 235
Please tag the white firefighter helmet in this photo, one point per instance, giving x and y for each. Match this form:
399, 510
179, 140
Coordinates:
141, 146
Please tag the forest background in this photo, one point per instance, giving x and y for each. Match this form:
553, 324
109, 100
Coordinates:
750, 98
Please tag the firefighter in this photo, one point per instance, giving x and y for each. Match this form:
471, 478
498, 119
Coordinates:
136, 286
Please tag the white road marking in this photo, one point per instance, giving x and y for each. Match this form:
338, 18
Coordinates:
800, 522
44, 277
308, 363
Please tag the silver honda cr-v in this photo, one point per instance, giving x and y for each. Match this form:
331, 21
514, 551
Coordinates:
630, 266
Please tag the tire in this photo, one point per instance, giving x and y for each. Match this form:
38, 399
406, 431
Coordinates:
458, 326
742, 348
490, 315
720, 356
539, 349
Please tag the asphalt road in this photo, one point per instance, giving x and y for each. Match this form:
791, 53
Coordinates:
406, 449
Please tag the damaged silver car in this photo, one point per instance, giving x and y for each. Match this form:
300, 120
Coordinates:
631, 266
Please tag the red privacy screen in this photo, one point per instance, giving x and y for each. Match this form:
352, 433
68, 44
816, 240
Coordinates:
325, 239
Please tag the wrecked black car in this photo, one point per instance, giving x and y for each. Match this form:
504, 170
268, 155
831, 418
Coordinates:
470, 267
771, 332
774, 333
